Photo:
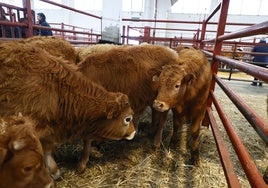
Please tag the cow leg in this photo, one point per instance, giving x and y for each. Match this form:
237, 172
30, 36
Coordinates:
177, 124
194, 139
87, 149
155, 120
161, 117
51, 165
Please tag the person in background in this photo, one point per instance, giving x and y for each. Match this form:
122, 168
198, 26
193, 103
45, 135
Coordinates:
5, 28
42, 22
260, 60
20, 32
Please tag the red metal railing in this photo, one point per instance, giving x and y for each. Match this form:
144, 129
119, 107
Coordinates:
10, 19
74, 34
199, 39
254, 176
88, 37
189, 33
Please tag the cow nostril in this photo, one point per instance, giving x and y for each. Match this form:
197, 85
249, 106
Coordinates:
158, 104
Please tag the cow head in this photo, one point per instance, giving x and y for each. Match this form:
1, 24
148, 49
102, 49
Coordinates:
25, 169
117, 102
116, 128
171, 86
21, 155
183, 47
118, 124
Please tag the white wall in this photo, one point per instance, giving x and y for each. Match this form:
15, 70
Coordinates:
163, 12
111, 20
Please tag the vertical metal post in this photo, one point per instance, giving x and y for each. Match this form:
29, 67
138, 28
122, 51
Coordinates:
123, 34
30, 19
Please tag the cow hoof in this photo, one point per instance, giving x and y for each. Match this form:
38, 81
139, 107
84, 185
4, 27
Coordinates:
156, 145
195, 161
172, 144
155, 150
56, 175
95, 153
81, 169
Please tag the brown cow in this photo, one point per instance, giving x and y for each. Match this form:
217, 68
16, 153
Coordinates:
63, 102
83, 52
21, 155
54, 45
129, 69
184, 87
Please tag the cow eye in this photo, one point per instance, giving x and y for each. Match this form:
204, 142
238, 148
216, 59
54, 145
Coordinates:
177, 86
128, 119
27, 169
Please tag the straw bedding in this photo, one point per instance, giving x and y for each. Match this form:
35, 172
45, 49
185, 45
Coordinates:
137, 164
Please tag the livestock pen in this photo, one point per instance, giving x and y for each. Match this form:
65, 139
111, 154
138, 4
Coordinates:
255, 178
233, 148
74, 34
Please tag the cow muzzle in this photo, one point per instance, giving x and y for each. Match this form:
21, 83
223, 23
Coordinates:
160, 106
131, 136
50, 185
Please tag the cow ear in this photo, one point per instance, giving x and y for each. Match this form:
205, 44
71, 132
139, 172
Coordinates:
188, 78
155, 83
18, 144
111, 110
110, 115
154, 71
155, 78
125, 102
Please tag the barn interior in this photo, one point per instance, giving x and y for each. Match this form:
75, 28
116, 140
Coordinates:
233, 147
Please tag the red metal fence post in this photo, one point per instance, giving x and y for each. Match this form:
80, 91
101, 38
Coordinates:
30, 18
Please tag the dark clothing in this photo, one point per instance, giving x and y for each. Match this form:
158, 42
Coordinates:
260, 58
6, 29
101, 41
43, 32
20, 32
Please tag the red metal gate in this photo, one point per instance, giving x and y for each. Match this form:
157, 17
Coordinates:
254, 176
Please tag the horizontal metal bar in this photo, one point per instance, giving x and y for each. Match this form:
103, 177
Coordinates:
227, 164
250, 169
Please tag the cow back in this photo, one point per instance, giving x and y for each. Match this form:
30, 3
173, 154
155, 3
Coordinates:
37, 83
83, 52
128, 69
56, 46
